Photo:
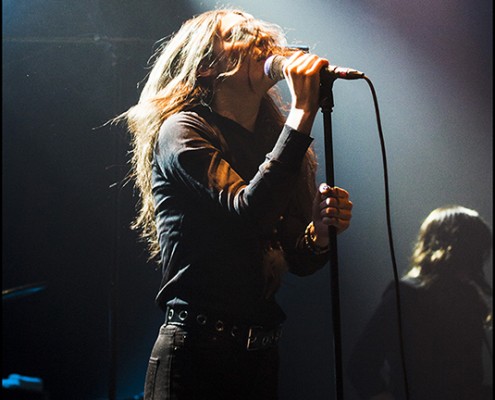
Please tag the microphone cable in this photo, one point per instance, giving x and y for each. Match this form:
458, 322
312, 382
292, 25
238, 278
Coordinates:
390, 236
359, 75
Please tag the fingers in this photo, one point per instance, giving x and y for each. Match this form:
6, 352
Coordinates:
334, 207
303, 80
301, 63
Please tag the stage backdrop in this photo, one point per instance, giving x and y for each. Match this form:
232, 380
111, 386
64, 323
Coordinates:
81, 313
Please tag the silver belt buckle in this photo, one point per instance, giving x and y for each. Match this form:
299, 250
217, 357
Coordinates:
259, 338
253, 340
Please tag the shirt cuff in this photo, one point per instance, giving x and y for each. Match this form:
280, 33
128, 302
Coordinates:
291, 147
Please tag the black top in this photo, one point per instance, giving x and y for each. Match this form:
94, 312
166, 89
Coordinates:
443, 337
222, 194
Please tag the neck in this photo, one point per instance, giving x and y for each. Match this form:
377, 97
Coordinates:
242, 107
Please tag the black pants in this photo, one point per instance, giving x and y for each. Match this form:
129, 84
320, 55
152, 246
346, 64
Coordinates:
190, 366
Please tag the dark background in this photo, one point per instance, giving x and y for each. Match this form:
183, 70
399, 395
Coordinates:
70, 66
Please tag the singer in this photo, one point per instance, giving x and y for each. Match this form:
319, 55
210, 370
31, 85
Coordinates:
228, 202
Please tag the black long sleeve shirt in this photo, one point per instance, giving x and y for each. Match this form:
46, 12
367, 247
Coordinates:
443, 338
221, 194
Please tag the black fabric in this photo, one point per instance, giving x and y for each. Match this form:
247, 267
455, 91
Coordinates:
184, 366
222, 194
443, 339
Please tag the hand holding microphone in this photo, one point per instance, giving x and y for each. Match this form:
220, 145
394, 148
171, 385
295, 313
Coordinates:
274, 68
302, 74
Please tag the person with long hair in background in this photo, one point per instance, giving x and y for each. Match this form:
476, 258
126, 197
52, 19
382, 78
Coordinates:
445, 317
228, 202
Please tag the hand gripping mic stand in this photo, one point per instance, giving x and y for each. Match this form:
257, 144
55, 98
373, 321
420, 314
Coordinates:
326, 104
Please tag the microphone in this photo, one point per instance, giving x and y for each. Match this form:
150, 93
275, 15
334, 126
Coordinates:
274, 68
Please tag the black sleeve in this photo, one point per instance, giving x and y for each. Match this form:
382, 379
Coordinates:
186, 152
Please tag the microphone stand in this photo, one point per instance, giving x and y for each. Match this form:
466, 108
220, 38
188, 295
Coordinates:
326, 104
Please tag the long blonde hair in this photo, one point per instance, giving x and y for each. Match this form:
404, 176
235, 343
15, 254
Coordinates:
176, 83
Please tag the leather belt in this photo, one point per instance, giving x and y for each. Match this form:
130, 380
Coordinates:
253, 337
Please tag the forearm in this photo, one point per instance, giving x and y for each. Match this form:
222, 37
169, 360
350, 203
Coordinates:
301, 120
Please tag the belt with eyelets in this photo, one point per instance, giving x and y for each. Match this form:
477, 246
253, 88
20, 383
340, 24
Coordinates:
253, 337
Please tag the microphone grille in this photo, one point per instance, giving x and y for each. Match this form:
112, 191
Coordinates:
274, 67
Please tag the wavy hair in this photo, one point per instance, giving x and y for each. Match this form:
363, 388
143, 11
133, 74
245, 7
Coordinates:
176, 82
452, 240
